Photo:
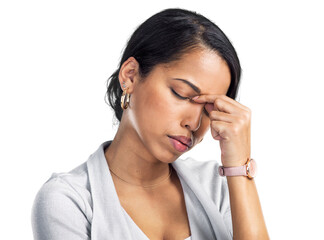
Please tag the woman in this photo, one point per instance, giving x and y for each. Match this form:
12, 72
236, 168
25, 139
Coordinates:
178, 77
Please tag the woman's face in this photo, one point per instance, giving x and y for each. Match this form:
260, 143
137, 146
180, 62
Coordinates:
156, 112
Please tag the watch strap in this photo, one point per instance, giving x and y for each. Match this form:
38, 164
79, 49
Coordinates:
232, 171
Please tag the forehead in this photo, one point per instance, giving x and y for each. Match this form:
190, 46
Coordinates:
203, 68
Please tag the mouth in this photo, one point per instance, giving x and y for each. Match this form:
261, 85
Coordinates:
181, 142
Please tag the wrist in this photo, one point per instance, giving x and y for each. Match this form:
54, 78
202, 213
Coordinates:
248, 169
234, 161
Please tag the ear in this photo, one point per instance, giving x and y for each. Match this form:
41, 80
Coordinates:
129, 74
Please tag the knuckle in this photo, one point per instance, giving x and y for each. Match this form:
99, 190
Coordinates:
245, 117
235, 129
218, 101
247, 114
212, 114
241, 121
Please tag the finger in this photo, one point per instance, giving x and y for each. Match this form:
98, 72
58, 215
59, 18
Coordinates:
211, 98
219, 104
209, 107
222, 116
218, 129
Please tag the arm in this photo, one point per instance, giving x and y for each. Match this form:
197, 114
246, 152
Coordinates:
247, 218
230, 124
59, 213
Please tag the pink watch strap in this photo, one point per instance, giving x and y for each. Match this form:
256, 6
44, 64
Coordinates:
232, 171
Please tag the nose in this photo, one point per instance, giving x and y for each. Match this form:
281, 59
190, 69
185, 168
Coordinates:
193, 116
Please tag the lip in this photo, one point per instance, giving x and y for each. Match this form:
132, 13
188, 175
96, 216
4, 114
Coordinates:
179, 146
183, 139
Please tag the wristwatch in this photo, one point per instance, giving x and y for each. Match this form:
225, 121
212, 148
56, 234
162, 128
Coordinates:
248, 169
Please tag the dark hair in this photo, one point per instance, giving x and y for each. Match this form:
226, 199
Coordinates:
164, 38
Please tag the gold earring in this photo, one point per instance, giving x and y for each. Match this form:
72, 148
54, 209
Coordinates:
124, 101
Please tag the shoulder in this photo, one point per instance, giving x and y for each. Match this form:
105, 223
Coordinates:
62, 201
67, 186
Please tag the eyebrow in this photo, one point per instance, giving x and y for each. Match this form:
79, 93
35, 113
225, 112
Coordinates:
194, 87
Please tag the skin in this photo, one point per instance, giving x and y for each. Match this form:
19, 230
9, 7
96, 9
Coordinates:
141, 149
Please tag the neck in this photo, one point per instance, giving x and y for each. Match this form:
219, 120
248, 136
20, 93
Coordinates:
128, 158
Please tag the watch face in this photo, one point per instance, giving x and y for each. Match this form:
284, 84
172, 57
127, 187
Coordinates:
252, 169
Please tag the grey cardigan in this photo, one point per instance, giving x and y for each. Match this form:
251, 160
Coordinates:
83, 203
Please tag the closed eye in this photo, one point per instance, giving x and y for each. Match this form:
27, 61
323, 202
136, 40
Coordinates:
185, 98
175, 93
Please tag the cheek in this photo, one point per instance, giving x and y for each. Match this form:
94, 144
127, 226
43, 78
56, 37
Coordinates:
154, 110
163, 104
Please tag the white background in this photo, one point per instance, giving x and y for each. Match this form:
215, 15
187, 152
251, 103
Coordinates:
55, 58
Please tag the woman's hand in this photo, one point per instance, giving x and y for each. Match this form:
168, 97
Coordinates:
231, 125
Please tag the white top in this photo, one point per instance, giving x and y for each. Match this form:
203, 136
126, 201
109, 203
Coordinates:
83, 203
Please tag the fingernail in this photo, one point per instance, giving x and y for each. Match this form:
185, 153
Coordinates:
195, 98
